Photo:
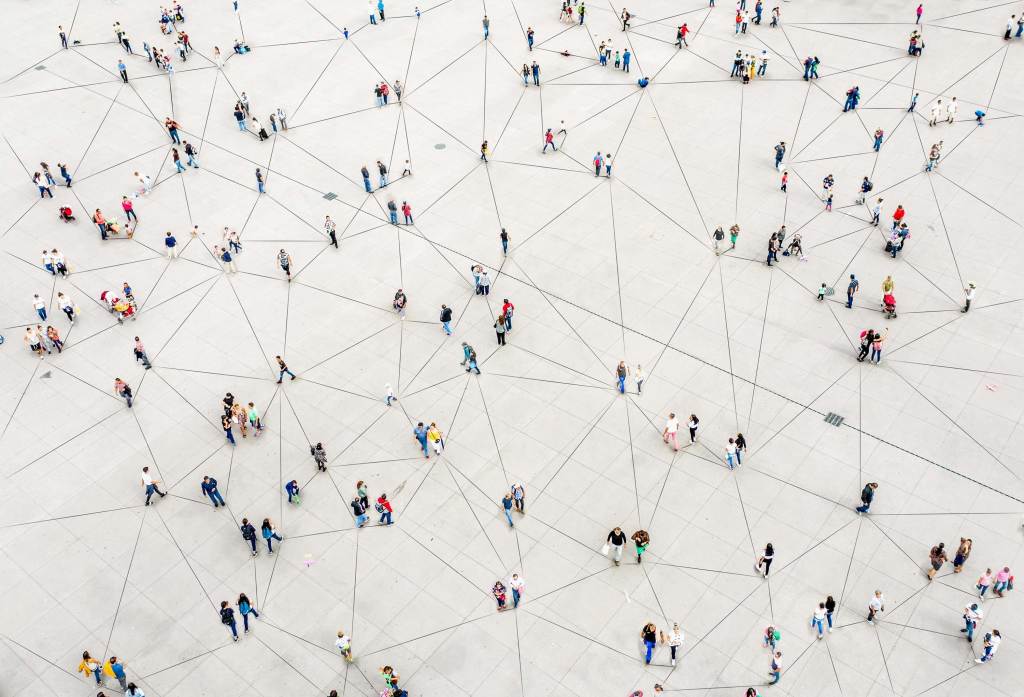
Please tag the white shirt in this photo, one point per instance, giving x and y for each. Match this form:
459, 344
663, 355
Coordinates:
691, 424
675, 638
638, 375
876, 603
516, 583
994, 641
147, 479
66, 302
730, 448
936, 110
329, 226
672, 425
344, 642
47, 258
58, 258
38, 303
973, 615
819, 613
951, 108
970, 294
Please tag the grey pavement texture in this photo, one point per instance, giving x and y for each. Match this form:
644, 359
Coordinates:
599, 269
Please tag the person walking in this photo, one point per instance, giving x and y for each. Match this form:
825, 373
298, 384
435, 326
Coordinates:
498, 591
282, 368
936, 557
269, 534
851, 290
984, 581
407, 212
621, 371
319, 457
549, 139
121, 389
227, 617
962, 553
249, 534
780, 152
115, 669
968, 297
245, 609
499, 329
867, 495
487, 27
730, 454
675, 641
506, 504
331, 229
818, 620
992, 640
292, 490
384, 508
519, 497
226, 425
505, 238
693, 424
876, 346
535, 71
615, 543
518, 586
1003, 581
209, 488
420, 434
259, 180
344, 644
668, 435
641, 539
122, 69
775, 670
649, 635
765, 559
152, 486
875, 605
91, 667
830, 608
435, 438
446, 319
359, 510
972, 615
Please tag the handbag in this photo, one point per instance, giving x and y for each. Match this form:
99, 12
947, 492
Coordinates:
605, 549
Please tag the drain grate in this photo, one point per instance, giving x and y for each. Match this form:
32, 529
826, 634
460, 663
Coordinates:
835, 419
330, 196
440, 146
40, 67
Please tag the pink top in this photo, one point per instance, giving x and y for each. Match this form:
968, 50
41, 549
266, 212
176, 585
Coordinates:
126, 204
1003, 575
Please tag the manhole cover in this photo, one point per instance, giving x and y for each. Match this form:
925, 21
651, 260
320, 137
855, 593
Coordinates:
330, 196
40, 67
440, 146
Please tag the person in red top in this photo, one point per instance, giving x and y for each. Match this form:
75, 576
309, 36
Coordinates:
101, 223
683, 31
129, 210
549, 139
384, 91
897, 216
739, 21
507, 309
384, 508
407, 212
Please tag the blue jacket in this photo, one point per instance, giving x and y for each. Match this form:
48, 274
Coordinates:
209, 487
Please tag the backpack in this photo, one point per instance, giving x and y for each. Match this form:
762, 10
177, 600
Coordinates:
247, 532
225, 616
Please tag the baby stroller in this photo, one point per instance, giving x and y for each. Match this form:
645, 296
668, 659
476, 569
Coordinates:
65, 214
889, 306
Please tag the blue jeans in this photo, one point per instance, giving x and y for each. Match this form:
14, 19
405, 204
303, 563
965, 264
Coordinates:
969, 628
473, 366
447, 328
241, 124
259, 186
41, 311
234, 629
270, 544
650, 648
366, 183
361, 520
863, 508
394, 217
849, 299
776, 676
982, 590
216, 498
385, 516
515, 598
487, 32
280, 376
192, 161
739, 457
373, 19
508, 517
423, 445
504, 246
526, 80
175, 138
819, 624
229, 435
728, 459
987, 655
828, 616
181, 167
245, 618
878, 144
508, 322
622, 384
384, 179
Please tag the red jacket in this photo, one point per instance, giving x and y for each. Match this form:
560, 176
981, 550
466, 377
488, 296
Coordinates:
385, 504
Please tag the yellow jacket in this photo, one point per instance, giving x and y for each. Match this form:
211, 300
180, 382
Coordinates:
88, 666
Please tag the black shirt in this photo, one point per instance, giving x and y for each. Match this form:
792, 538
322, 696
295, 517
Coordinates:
617, 538
446, 314
650, 636
358, 508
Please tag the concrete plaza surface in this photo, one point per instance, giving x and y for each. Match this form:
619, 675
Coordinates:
599, 270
